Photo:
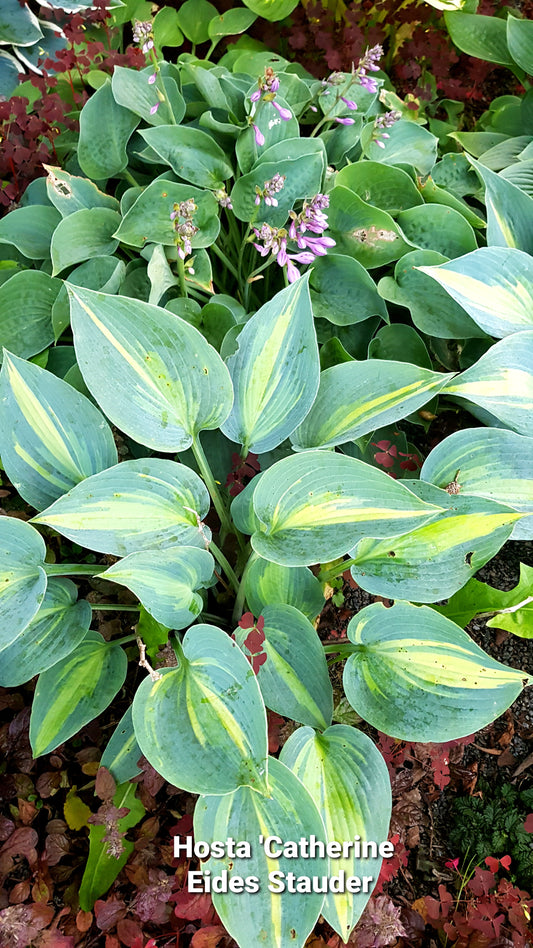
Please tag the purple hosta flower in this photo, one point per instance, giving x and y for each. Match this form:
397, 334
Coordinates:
274, 242
292, 272
266, 84
311, 217
285, 114
152, 79
271, 188
259, 137
369, 62
349, 103
223, 198
386, 120
181, 217
154, 108
344, 121
143, 35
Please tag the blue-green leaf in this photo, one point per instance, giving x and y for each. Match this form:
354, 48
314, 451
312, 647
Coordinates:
74, 691
418, 677
203, 725
275, 371
54, 437
136, 505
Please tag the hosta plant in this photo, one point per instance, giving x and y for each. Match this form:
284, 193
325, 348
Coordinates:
206, 284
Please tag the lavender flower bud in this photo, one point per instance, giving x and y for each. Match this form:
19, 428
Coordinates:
349, 103
285, 114
292, 272
344, 121
259, 137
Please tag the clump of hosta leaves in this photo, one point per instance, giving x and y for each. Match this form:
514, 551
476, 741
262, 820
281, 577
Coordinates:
253, 279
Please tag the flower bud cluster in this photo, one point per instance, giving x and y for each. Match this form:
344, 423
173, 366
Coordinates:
271, 188
382, 122
143, 35
310, 219
184, 228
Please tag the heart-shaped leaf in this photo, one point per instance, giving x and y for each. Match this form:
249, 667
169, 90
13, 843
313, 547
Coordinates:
166, 585
271, 399
74, 691
311, 506
136, 505
22, 577
418, 677
54, 632
203, 725
152, 373
294, 679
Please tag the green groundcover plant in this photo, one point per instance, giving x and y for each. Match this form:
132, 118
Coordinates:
208, 279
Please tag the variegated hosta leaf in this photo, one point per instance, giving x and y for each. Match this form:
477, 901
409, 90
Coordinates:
501, 382
347, 778
267, 584
509, 211
166, 585
487, 462
22, 577
52, 436
418, 677
147, 504
275, 371
122, 752
242, 508
294, 680
54, 632
74, 691
203, 725
152, 373
315, 506
435, 560
355, 398
265, 916
494, 285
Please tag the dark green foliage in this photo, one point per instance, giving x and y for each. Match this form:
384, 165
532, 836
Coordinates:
493, 825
